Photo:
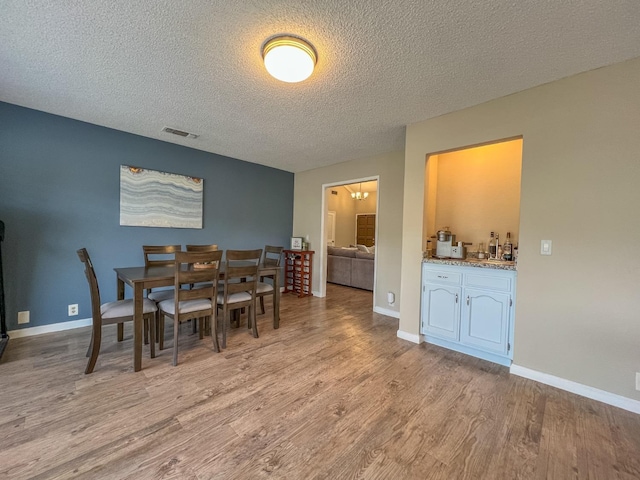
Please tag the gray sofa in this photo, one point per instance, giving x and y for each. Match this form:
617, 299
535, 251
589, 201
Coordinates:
350, 267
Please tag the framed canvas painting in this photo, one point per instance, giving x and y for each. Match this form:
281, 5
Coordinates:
149, 198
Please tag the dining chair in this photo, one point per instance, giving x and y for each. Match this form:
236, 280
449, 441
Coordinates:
271, 258
201, 270
200, 248
159, 256
110, 313
239, 288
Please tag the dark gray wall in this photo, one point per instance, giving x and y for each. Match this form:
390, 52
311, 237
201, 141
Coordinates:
60, 190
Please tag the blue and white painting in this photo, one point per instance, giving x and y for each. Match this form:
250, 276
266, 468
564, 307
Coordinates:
149, 198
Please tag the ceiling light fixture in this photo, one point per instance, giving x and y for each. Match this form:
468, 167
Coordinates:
289, 59
359, 195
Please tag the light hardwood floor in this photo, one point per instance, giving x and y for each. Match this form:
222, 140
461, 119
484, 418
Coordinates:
332, 394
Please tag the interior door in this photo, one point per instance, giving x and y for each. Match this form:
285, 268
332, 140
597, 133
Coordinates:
366, 229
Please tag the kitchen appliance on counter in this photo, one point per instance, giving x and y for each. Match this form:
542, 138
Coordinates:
459, 250
446, 246
444, 243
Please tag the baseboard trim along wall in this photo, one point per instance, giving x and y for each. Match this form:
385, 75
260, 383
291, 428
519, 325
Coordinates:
54, 327
410, 337
583, 390
387, 312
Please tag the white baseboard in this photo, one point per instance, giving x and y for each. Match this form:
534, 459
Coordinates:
409, 336
583, 390
54, 327
387, 312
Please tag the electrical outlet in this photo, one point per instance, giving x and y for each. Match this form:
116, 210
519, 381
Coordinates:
23, 317
73, 310
637, 380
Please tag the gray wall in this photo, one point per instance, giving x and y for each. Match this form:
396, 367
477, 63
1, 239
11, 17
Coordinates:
59, 191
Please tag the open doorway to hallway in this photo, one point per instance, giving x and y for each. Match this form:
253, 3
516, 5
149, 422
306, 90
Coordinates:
350, 227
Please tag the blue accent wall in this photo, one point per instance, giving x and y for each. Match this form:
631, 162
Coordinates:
60, 191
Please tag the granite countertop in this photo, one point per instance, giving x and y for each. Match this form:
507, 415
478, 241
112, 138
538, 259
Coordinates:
472, 262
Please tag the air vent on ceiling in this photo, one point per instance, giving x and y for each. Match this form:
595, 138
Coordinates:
180, 133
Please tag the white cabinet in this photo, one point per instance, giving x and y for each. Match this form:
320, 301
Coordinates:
469, 309
441, 310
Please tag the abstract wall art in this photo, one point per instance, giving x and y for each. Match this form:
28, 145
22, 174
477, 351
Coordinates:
149, 198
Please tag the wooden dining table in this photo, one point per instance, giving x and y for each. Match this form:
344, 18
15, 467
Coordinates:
143, 278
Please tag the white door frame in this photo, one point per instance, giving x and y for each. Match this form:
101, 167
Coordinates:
332, 215
322, 288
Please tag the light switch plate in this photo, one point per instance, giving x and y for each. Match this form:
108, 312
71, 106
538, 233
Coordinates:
545, 247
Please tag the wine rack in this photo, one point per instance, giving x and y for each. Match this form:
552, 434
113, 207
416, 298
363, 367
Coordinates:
298, 272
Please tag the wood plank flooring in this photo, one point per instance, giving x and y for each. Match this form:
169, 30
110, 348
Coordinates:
332, 394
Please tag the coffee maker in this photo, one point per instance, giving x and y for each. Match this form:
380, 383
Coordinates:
447, 247
445, 242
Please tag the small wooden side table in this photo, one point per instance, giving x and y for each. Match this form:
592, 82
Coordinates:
298, 272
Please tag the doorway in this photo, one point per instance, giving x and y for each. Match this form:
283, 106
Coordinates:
343, 203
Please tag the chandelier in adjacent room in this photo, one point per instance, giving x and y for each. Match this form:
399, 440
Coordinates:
359, 195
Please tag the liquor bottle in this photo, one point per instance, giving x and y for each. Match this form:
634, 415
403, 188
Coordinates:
492, 246
507, 248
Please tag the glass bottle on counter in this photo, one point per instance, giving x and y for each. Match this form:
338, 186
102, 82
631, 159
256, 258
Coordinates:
492, 246
507, 248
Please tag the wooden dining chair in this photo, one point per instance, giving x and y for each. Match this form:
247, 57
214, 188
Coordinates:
201, 248
271, 258
110, 313
201, 270
159, 256
239, 288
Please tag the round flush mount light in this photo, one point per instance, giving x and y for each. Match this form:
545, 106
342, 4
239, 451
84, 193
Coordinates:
289, 59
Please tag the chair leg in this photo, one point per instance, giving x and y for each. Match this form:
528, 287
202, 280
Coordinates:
252, 313
90, 345
152, 336
225, 313
96, 338
262, 305
146, 331
176, 325
120, 332
160, 331
213, 321
200, 327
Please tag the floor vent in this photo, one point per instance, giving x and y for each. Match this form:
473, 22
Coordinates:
180, 133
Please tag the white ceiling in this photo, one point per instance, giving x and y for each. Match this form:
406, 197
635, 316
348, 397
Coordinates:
140, 65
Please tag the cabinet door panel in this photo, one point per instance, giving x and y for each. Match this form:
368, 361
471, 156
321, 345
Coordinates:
485, 320
441, 311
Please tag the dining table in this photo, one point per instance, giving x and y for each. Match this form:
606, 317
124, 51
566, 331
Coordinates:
144, 278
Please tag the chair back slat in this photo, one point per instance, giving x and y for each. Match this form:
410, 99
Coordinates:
165, 252
201, 248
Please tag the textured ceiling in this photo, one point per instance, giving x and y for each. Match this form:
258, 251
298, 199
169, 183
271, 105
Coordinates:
140, 65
